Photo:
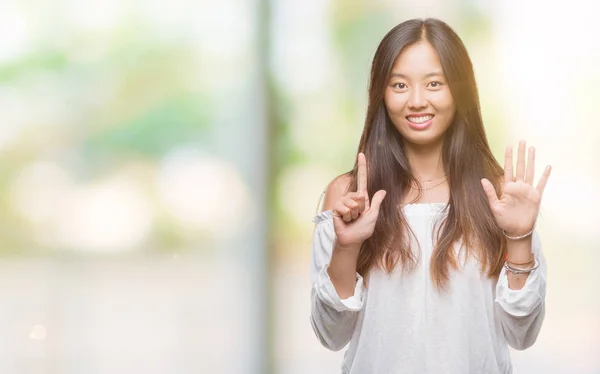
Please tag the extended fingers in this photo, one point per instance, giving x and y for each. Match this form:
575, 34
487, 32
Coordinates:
490, 192
362, 173
544, 179
530, 166
521, 161
524, 170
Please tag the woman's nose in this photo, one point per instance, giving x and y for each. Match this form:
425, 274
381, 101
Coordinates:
417, 99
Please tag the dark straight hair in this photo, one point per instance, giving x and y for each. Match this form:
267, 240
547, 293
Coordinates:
466, 158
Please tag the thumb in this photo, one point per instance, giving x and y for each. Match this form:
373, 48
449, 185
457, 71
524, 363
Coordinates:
376, 200
490, 191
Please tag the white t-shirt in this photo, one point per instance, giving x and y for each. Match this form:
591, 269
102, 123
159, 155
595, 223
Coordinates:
402, 324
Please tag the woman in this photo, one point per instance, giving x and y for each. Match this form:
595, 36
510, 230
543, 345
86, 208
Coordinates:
425, 257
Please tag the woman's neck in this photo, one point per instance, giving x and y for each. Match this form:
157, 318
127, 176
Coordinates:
426, 161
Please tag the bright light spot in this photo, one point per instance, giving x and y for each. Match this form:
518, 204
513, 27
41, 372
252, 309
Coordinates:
15, 31
38, 332
110, 216
572, 195
296, 45
204, 193
559, 120
230, 20
95, 14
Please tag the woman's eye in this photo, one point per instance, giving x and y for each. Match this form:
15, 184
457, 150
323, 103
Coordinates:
435, 84
399, 86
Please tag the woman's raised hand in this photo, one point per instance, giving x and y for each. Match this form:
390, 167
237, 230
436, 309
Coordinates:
354, 216
517, 209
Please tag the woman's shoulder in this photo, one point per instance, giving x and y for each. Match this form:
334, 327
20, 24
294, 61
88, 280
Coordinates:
337, 188
341, 183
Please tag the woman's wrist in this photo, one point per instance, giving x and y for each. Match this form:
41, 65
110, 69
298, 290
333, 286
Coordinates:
518, 234
352, 247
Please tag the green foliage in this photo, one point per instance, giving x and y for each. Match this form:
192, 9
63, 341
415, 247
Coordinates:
153, 132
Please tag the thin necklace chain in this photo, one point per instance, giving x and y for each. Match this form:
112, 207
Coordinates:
434, 186
434, 179
445, 178
429, 188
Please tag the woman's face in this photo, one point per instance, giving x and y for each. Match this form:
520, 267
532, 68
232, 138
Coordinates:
417, 96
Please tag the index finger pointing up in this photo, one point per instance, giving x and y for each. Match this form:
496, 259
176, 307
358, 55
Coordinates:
362, 173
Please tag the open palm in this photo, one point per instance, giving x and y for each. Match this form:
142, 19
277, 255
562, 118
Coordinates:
517, 209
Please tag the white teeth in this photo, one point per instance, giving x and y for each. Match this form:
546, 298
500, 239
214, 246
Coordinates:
420, 119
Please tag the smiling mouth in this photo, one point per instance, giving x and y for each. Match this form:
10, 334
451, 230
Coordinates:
419, 119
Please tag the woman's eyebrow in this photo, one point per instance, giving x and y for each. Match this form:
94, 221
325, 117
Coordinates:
428, 75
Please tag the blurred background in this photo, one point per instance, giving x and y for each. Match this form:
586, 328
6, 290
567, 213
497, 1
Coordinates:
160, 164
